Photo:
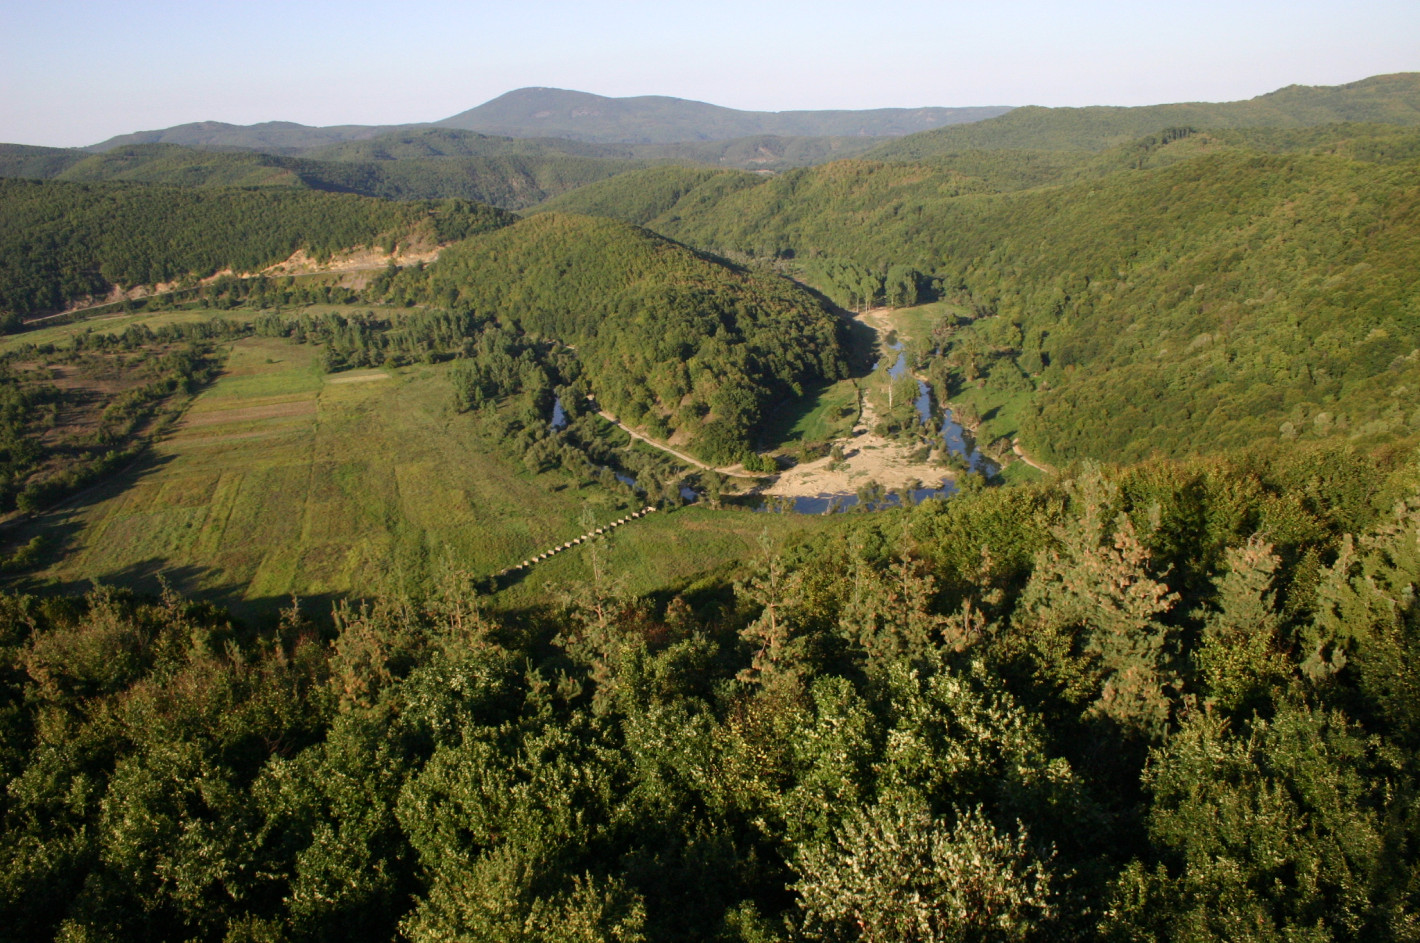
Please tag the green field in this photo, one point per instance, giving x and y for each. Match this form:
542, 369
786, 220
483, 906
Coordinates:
916, 323
281, 480
818, 416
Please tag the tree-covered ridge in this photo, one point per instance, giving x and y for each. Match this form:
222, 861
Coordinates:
645, 196
426, 142
779, 215
515, 179
683, 345
1171, 701
39, 163
268, 137
1385, 99
60, 242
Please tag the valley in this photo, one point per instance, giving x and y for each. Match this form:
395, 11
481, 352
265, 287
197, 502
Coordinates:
631, 519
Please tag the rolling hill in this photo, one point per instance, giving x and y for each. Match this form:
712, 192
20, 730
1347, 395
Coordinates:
512, 177
1208, 301
1384, 99
61, 242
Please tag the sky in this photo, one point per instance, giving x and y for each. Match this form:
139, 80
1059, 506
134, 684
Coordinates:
75, 73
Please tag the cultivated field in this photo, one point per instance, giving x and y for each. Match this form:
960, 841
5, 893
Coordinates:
281, 480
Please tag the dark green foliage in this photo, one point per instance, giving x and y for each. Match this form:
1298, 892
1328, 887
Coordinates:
513, 176
40, 163
894, 732
669, 340
1207, 304
61, 242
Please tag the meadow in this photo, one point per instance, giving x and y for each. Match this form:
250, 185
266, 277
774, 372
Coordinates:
281, 480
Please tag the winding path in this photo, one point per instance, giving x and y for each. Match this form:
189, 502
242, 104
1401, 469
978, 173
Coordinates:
1021, 454
724, 470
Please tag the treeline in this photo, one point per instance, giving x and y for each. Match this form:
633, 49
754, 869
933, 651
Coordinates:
61, 242
670, 340
1169, 701
512, 178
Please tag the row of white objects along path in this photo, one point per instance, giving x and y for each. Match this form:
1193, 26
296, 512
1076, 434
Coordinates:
528, 563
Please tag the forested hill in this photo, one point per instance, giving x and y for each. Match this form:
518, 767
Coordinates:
60, 242
1387, 99
508, 173
1201, 305
685, 346
271, 137
759, 151
417, 143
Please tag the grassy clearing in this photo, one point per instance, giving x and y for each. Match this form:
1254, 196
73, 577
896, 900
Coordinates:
1000, 411
819, 416
916, 323
281, 481
665, 551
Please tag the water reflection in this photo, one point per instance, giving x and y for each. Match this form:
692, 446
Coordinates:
957, 443
559, 415
832, 503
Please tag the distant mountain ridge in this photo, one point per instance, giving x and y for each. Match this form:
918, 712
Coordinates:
580, 116
271, 137
659, 119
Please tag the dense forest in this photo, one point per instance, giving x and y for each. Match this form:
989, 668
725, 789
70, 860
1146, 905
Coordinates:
1385, 99
685, 346
512, 177
62, 242
1201, 304
1174, 701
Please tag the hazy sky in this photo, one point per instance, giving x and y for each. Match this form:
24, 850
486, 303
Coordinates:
78, 72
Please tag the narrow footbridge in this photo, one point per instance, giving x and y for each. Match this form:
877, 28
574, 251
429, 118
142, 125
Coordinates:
590, 535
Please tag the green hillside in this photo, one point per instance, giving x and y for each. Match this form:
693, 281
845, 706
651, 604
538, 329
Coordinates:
1387, 99
60, 242
419, 143
508, 177
685, 346
271, 137
1223, 297
39, 163
645, 195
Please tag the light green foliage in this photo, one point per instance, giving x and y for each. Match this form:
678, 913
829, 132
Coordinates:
493, 837
1092, 610
1240, 656
895, 874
